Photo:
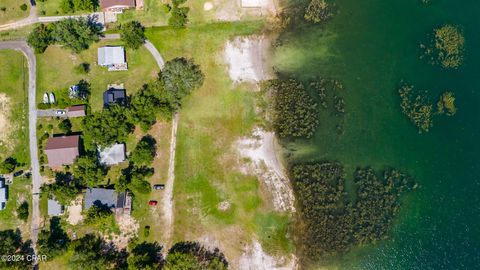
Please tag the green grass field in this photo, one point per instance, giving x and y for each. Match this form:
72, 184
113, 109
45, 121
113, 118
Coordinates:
14, 107
10, 10
18, 192
154, 14
56, 72
211, 120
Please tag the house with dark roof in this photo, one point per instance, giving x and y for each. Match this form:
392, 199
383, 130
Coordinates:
3, 195
62, 150
114, 96
76, 111
116, 6
119, 203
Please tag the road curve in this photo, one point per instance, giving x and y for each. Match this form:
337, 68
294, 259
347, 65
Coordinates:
32, 123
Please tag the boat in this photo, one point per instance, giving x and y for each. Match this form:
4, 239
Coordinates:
52, 98
45, 98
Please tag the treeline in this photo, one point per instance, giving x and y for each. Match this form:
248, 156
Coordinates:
297, 13
332, 220
70, 6
92, 252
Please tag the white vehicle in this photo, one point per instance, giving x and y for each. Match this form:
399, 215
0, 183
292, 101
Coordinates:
52, 98
59, 112
45, 98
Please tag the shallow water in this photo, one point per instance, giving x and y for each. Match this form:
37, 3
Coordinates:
371, 46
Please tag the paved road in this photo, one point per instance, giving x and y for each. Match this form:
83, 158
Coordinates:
32, 124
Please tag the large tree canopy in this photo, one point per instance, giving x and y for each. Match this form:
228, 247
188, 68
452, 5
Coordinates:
40, 38
76, 34
133, 34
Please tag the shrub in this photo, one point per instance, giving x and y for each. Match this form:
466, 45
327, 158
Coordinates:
22, 211
24, 7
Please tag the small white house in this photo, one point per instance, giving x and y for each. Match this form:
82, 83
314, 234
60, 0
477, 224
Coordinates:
3, 195
113, 154
113, 58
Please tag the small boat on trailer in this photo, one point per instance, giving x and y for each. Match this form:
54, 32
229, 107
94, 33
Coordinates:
45, 98
52, 98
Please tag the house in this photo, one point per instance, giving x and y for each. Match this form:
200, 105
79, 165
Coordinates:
113, 154
3, 195
55, 208
114, 96
116, 6
76, 111
62, 150
113, 58
119, 203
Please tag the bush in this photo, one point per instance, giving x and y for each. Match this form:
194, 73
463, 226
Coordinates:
8, 165
40, 38
24, 7
82, 68
144, 152
22, 211
65, 126
179, 17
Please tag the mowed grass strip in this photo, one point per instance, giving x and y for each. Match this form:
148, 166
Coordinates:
14, 87
212, 198
56, 71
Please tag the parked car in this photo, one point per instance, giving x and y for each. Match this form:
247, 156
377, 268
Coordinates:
152, 203
17, 174
59, 112
158, 186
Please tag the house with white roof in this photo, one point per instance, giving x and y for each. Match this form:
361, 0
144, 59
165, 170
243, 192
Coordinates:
112, 57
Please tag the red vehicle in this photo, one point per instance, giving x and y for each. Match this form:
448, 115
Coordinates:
152, 203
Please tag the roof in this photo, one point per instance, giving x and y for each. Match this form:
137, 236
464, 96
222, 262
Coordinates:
76, 111
114, 96
103, 196
62, 150
3, 195
54, 208
112, 3
113, 154
108, 56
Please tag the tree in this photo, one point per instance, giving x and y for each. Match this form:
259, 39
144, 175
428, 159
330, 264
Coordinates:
67, 6
11, 244
179, 17
134, 178
91, 253
150, 102
318, 11
8, 165
53, 242
76, 34
22, 211
107, 126
295, 113
64, 190
145, 256
88, 170
65, 126
191, 255
99, 215
133, 34
181, 76
24, 7
40, 38
144, 152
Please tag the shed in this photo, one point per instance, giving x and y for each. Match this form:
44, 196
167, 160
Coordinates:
62, 150
76, 111
110, 56
3, 195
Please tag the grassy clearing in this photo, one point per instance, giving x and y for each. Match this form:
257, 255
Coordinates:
53, 8
154, 14
13, 86
56, 72
211, 120
16, 34
18, 192
10, 10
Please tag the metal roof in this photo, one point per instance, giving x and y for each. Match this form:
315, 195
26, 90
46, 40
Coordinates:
113, 154
102, 196
54, 208
108, 56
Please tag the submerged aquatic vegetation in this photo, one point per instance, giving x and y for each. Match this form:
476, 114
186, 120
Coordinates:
446, 104
416, 107
446, 47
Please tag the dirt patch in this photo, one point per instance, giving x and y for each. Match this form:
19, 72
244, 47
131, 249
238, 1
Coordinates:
260, 148
246, 57
5, 126
207, 6
128, 230
237, 10
254, 257
75, 211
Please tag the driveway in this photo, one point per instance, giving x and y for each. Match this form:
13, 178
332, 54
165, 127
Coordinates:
32, 124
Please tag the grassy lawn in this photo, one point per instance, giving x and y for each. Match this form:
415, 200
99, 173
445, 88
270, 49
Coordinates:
16, 34
211, 120
154, 14
18, 192
10, 10
55, 71
14, 106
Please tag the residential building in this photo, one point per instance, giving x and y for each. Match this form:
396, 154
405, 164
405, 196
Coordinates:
62, 150
55, 208
112, 57
113, 154
116, 6
114, 96
3, 195
119, 203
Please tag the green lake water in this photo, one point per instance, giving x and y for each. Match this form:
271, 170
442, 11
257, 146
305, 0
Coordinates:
371, 46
